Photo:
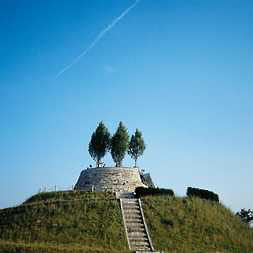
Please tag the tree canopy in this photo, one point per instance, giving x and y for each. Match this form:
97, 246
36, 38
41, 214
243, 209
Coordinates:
136, 146
99, 143
119, 144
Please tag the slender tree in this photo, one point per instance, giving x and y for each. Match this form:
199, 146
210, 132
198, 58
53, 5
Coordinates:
119, 144
136, 146
99, 143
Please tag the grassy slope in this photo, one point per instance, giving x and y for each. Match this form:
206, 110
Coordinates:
194, 225
74, 222
90, 223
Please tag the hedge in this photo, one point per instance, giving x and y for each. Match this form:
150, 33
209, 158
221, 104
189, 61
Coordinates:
203, 194
142, 191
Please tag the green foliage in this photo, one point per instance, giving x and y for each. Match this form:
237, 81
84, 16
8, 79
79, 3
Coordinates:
246, 215
119, 144
203, 194
193, 225
90, 222
142, 191
136, 146
99, 143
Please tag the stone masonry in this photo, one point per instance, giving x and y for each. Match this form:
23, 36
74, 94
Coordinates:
109, 179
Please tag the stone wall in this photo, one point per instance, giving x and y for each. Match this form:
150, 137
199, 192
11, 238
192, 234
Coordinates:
109, 180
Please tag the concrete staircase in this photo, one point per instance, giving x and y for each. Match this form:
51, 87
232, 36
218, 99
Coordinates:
136, 229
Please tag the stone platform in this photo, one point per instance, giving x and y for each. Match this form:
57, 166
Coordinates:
109, 179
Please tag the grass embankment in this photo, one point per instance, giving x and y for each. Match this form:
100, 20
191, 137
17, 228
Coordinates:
184, 225
64, 222
68, 195
75, 222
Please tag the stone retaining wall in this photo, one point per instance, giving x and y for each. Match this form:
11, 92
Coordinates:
109, 180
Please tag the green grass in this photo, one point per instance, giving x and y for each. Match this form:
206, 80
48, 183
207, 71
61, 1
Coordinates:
69, 195
75, 222
90, 223
184, 225
12, 247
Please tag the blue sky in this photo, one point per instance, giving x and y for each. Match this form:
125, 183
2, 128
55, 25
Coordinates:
180, 71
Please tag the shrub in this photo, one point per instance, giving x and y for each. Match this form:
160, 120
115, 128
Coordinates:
246, 215
203, 194
142, 191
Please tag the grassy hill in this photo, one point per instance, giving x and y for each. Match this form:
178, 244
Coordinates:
186, 225
64, 222
91, 222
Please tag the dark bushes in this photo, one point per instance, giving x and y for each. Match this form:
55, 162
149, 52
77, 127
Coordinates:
246, 215
142, 191
203, 194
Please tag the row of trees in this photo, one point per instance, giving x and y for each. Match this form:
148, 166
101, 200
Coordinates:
101, 142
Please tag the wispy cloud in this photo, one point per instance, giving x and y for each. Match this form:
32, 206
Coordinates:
98, 38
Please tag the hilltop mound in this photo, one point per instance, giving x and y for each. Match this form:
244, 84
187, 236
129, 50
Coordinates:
92, 222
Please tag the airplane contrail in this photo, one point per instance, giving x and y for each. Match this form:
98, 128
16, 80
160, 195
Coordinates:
98, 38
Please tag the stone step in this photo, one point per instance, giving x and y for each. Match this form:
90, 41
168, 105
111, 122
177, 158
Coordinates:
132, 211
139, 244
143, 250
134, 220
135, 226
133, 216
147, 251
131, 208
127, 208
137, 234
130, 204
125, 195
136, 230
138, 239
134, 223
130, 200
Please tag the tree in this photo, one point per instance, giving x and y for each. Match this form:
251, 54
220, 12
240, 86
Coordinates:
246, 215
99, 143
119, 144
136, 146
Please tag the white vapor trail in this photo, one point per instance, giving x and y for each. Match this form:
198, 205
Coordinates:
98, 38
